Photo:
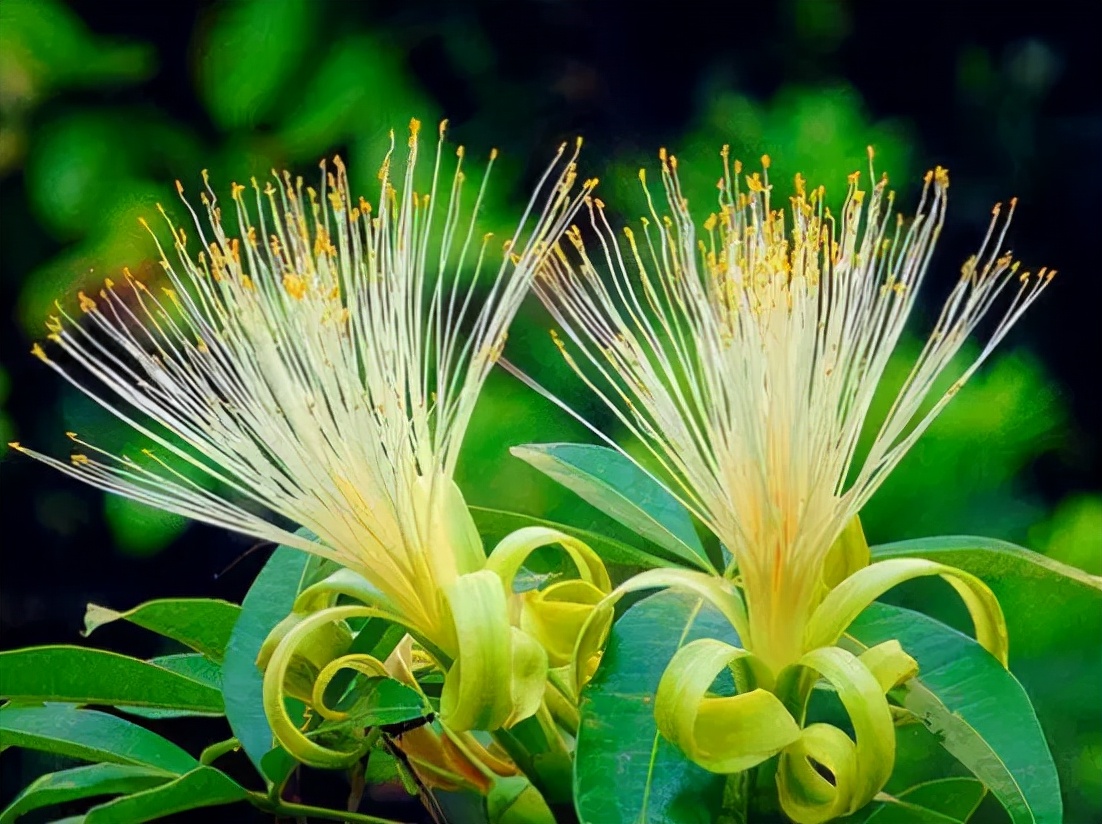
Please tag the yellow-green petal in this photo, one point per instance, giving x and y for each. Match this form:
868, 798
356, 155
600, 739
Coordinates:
555, 616
846, 601
499, 673
723, 734
806, 796
513, 550
275, 673
718, 592
858, 779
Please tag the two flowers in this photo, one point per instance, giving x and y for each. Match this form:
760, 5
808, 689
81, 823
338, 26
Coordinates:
324, 365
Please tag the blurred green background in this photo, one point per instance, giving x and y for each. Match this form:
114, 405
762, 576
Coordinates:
104, 104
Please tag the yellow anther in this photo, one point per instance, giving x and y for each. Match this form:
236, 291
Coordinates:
39, 352
86, 303
79, 460
295, 286
765, 161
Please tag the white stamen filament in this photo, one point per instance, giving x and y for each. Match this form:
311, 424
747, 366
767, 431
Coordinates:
323, 366
745, 359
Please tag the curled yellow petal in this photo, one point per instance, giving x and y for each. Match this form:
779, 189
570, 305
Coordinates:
513, 550
859, 768
724, 734
846, 601
717, 592
279, 662
889, 664
363, 664
498, 675
555, 616
807, 796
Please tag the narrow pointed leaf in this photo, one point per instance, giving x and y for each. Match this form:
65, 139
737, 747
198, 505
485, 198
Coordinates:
975, 707
74, 784
91, 676
90, 735
495, 524
607, 480
201, 624
202, 787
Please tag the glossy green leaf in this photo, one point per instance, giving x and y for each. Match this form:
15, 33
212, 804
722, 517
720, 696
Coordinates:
190, 665
625, 772
201, 624
513, 800
978, 710
81, 782
1020, 579
90, 676
945, 801
607, 480
89, 735
202, 787
268, 601
494, 524
381, 702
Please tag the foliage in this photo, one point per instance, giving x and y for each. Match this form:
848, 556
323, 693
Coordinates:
88, 142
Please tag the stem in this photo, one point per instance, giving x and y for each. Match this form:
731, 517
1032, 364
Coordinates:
288, 809
736, 798
217, 750
562, 708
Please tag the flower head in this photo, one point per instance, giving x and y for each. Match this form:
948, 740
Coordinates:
323, 365
744, 355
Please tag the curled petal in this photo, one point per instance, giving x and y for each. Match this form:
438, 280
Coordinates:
275, 674
889, 664
718, 592
555, 616
723, 734
513, 550
846, 601
498, 675
859, 768
364, 664
807, 796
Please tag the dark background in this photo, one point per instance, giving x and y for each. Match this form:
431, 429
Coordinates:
103, 104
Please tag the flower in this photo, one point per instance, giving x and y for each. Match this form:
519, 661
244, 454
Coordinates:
745, 357
324, 366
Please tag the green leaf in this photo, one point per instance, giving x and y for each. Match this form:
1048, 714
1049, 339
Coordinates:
81, 782
614, 484
268, 601
201, 624
250, 56
91, 676
945, 801
202, 787
1020, 579
91, 736
190, 665
494, 524
975, 707
625, 772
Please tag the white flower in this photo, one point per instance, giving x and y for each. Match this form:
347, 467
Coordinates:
745, 356
322, 366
